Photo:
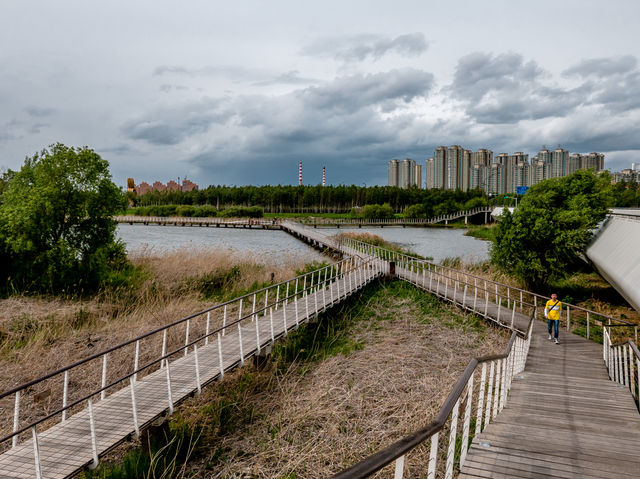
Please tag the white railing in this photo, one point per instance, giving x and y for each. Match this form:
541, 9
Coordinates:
196, 220
587, 322
231, 332
622, 361
472, 404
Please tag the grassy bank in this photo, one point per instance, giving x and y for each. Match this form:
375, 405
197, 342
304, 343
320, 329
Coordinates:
365, 375
379, 241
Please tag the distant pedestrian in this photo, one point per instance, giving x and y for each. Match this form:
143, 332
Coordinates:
552, 311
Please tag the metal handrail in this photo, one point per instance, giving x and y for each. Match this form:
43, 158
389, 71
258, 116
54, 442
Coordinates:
515, 288
397, 450
339, 270
161, 329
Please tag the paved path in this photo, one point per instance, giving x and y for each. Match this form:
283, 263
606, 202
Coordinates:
564, 418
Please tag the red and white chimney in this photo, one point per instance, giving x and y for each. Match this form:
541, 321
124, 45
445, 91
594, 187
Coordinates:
300, 174
324, 176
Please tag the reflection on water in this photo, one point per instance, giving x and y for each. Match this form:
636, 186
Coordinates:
438, 243
276, 245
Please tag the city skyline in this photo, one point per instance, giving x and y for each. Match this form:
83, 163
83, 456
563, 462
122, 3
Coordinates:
455, 167
240, 93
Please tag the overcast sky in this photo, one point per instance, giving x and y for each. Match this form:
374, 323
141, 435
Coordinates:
239, 92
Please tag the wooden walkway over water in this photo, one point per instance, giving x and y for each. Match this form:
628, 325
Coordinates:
565, 418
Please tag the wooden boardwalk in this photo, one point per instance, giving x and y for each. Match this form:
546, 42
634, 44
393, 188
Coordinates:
565, 418
67, 447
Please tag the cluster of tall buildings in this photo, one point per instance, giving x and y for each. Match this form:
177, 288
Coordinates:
628, 175
453, 167
405, 173
172, 185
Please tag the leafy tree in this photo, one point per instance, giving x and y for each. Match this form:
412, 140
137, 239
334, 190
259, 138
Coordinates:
56, 226
542, 240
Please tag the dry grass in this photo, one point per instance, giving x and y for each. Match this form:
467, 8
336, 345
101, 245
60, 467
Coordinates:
41, 334
313, 421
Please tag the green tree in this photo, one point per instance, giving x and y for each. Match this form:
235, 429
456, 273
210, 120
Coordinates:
56, 226
543, 238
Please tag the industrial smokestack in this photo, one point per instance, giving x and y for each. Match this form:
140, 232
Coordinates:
324, 176
300, 174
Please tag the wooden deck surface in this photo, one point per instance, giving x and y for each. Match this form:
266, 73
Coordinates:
66, 447
564, 418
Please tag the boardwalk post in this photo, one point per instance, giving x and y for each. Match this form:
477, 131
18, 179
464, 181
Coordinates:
487, 415
433, 456
65, 392
486, 303
134, 409
186, 338
467, 419
452, 441
240, 343
206, 329
16, 419
483, 379
399, 468
169, 395
197, 366
94, 442
496, 391
224, 320
104, 375
36, 452
588, 321
135, 360
568, 318
163, 353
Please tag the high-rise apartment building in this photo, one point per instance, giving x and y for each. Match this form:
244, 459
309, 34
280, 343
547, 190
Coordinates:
592, 160
394, 172
405, 173
453, 179
454, 167
559, 163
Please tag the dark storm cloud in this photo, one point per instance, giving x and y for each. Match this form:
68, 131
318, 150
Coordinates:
602, 67
37, 112
360, 47
336, 124
620, 95
506, 89
614, 82
357, 91
171, 126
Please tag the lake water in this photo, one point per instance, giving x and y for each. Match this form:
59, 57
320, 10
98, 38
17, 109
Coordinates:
438, 243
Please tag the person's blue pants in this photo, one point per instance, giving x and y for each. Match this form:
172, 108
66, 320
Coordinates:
553, 323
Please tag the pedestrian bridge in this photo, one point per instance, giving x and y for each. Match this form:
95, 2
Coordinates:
536, 410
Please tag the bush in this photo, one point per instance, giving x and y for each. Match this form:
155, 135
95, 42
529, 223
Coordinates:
415, 211
375, 212
242, 212
186, 211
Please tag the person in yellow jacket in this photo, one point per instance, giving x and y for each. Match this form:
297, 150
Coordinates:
552, 311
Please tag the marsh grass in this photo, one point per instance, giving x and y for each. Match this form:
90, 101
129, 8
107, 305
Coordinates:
365, 374
39, 334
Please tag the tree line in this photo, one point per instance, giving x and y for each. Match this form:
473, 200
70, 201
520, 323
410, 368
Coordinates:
307, 199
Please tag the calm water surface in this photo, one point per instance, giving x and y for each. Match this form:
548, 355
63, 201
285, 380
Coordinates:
438, 243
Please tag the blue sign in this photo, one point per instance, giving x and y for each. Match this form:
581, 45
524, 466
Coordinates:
521, 190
